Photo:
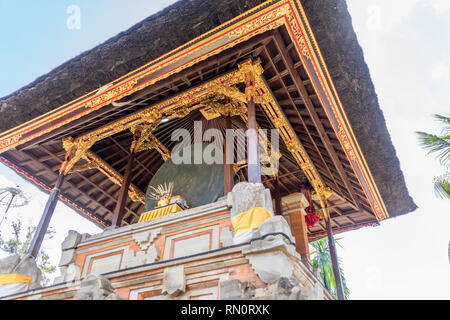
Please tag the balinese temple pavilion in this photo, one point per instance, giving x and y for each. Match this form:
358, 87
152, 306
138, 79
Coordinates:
101, 132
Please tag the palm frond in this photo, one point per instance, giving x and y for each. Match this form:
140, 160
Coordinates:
321, 260
436, 144
442, 188
444, 119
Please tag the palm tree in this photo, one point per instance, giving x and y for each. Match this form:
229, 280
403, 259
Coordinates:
321, 260
440, 145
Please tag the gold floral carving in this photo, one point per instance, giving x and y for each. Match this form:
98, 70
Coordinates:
83, 167
322, 194
136, 196
9, 141
267, 21
75, 151
110, 95
214, 107
296, 30
231, 92
180, 112
343, 137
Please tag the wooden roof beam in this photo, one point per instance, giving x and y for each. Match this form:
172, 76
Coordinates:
301, 119
310, 106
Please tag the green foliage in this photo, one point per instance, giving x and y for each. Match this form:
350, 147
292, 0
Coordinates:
19, 244
321, 260
439, 145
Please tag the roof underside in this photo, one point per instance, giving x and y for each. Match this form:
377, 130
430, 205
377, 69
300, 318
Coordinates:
97, 194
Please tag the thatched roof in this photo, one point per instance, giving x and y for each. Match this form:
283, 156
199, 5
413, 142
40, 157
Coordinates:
185, 20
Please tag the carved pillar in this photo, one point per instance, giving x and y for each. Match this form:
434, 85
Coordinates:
123, 194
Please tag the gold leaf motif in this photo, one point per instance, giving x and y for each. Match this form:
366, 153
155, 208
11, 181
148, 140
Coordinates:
291, 146
231, 92
83, 167
107, 97
9, 141
262, 22
136, 196
76, 150
346, 142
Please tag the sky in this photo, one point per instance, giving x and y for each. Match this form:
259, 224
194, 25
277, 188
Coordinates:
406, 45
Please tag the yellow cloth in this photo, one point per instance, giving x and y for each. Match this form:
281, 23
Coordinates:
250, 219
160, 212
14, 278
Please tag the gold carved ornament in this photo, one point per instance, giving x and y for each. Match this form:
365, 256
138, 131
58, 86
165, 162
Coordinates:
322, 195
113, 94
75, 151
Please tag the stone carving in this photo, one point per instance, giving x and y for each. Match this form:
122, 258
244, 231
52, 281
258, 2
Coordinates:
174, 281
285, 288
235, 290
246, 195
145, 238
71, 241
13, 264
148, 254
133, 258
7, 264
68, 270
95, 287
68, 247
288, 288
67, 257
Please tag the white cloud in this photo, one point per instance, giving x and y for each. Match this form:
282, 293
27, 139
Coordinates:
409, 65
440, 6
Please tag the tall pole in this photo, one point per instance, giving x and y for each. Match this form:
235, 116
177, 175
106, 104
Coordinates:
228, 157
41, 230
254, 166
334, 261
123, 193
7, 207
278, 210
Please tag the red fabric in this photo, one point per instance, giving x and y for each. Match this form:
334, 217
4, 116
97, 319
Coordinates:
311, 217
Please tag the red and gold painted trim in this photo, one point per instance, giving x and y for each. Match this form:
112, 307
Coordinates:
267, 16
